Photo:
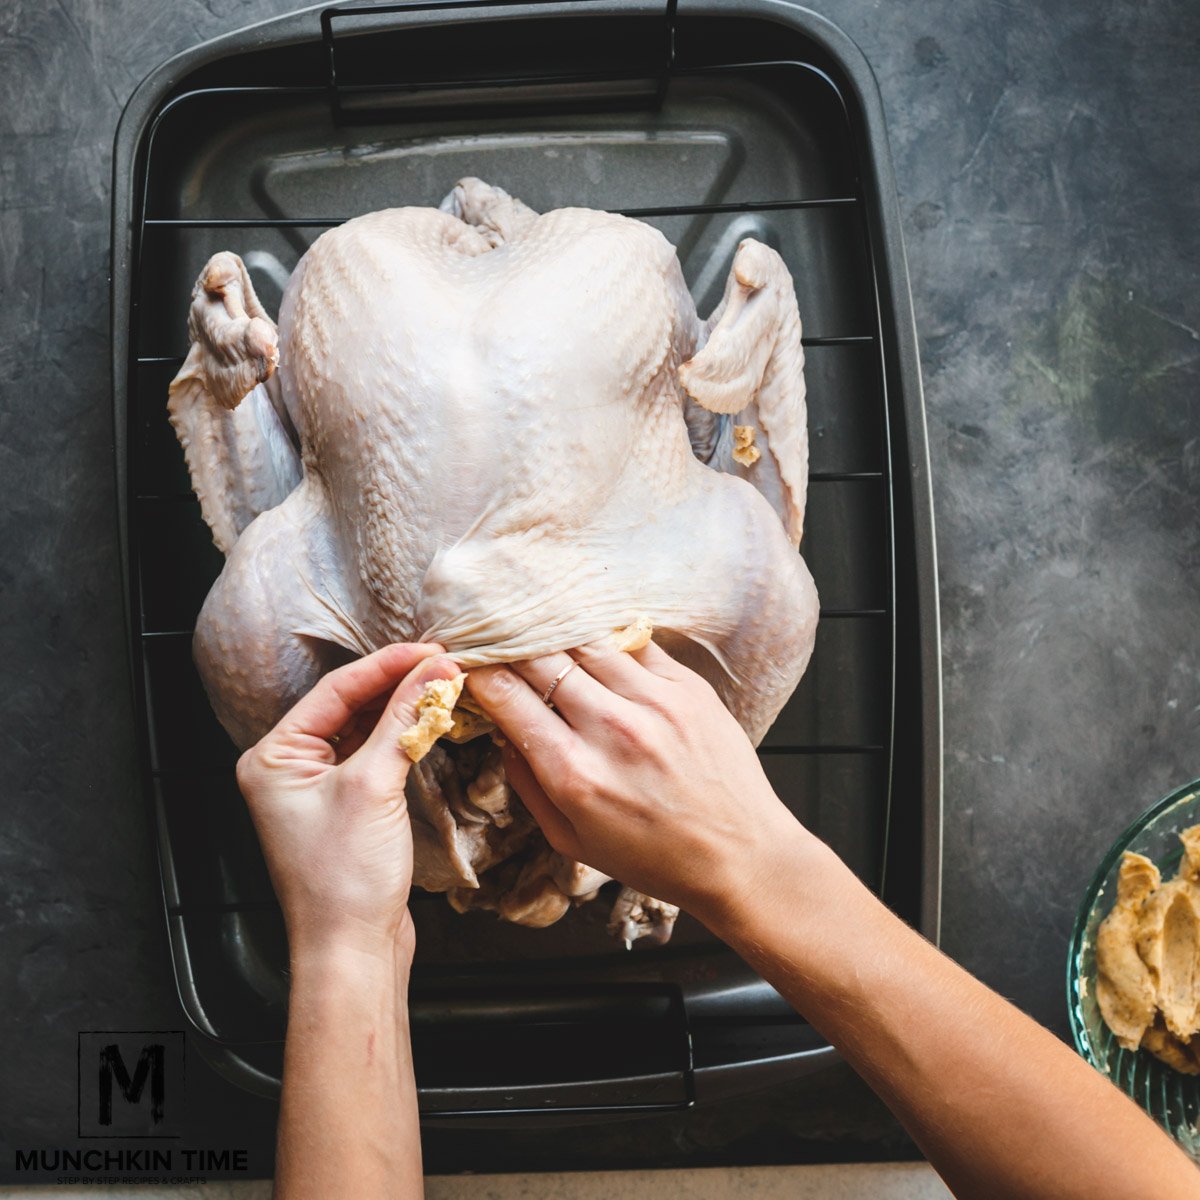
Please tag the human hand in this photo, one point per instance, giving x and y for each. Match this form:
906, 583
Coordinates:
640, 771
332, 818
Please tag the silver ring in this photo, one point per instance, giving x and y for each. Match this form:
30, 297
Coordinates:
555, 682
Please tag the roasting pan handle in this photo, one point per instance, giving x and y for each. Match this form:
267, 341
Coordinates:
637, 75
564, 1049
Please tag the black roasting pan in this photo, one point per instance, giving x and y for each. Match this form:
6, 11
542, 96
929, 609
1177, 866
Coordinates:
712, 120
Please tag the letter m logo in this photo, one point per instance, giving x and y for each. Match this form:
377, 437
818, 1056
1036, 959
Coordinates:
151, 1064
131, 1084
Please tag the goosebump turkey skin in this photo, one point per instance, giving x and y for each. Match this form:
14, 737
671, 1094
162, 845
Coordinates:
509, 433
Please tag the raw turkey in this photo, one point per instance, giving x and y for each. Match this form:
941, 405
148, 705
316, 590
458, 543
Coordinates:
512, 434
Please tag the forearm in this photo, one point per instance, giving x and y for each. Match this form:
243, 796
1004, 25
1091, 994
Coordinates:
995, 1101
348, 1121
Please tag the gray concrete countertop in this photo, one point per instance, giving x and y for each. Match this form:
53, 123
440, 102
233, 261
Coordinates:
1046, 162
880, 1181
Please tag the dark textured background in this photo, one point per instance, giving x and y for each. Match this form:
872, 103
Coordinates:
1048, 167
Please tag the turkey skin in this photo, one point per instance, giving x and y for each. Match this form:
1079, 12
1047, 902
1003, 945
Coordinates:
509, 433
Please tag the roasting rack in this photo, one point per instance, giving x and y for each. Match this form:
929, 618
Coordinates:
857, 754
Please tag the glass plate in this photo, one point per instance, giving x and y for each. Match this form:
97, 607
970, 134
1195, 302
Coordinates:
1172, 1099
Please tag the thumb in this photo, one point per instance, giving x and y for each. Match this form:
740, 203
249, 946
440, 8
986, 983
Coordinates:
383, 746
554, 823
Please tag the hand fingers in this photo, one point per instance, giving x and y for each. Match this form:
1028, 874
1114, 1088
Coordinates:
559, 831
542, 736
655, 659
383, 744
339, 695
618, 671
358, 729
574, 692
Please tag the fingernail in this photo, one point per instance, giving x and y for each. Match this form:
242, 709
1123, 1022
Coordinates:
438, 667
